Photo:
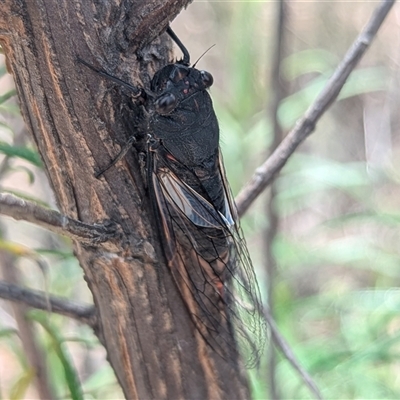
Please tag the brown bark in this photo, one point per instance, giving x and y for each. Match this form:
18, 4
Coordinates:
75, 119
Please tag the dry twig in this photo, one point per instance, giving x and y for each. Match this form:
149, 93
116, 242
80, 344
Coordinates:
36, 299
281, 344
52, 220
266, 172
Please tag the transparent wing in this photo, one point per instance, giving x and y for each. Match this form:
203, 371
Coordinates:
209, 260
183, 198
244, 303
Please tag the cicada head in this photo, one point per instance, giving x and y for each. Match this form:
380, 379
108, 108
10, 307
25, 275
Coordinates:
174, 83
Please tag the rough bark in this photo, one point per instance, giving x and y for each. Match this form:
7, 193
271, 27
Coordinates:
75, 119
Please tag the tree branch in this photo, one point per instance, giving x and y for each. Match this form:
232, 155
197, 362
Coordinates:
52, 220
76, 121
40, 300
283, 346
266, 172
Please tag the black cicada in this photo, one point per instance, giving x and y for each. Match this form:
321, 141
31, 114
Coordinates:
198, 223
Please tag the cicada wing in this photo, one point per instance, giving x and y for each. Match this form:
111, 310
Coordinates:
167, 231
197, 258
244, 302
186, 200
209, 260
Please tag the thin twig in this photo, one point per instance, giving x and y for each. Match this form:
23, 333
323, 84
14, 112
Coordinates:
265, 173
52, 220
281, 344
36, 299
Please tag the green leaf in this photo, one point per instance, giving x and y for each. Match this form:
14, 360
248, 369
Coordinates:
5, 126
29, 173
19, 388
361, 81
7, 332
70, 373
23, 152
11, 108
3, 69
102, 377
62, 254
307, 61
7, 95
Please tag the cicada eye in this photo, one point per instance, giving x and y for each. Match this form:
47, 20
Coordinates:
166, 103
207, 78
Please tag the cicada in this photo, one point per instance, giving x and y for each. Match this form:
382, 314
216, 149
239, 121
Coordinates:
198, 223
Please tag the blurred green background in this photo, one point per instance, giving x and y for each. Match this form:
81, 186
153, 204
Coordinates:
331, 255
